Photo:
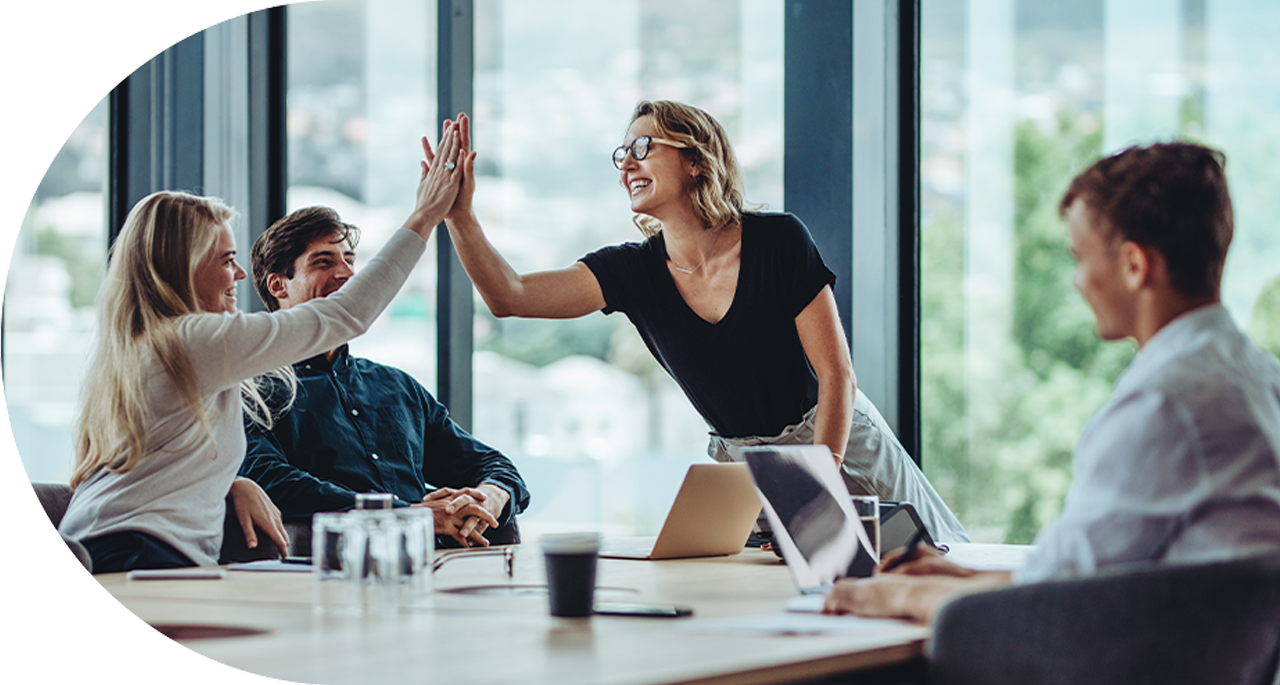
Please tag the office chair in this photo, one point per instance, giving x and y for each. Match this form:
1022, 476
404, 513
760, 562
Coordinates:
1215, 623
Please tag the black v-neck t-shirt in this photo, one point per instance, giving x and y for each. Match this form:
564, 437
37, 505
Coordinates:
747, 374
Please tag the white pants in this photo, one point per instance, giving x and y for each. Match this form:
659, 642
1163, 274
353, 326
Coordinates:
875, 463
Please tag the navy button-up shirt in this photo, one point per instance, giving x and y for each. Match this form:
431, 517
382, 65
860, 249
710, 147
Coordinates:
360, 426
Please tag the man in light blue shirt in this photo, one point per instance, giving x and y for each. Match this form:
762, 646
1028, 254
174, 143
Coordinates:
1182, 464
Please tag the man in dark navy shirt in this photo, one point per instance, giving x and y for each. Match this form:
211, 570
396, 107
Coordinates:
358, 426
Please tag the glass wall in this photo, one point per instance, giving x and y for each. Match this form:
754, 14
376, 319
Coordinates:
49, 300
601, 433
580, 406
361, 93
1017, 96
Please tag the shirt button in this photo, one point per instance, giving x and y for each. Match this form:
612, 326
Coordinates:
375, 457
355, 412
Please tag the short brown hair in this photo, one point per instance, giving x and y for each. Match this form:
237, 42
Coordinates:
1170, 197
278, 248
717, 189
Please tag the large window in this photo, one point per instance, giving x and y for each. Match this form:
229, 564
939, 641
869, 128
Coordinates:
599, 430
580, 406
361, 92
1017, 96
49, 300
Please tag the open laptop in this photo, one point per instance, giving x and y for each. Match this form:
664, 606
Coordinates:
811, 515
712, 515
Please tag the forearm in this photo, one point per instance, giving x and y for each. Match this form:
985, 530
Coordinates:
495, 279
936, 595
834, 413
423, 221
454, 458
297, 493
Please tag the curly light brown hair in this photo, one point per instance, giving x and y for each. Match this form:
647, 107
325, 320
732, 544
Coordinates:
716, 190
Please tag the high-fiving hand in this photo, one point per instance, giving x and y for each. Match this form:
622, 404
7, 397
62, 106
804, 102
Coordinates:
465, 166
438, 183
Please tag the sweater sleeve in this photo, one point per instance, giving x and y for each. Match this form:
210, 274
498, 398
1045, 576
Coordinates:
228, 348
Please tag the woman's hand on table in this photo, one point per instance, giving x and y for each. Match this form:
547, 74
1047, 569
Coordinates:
254, 508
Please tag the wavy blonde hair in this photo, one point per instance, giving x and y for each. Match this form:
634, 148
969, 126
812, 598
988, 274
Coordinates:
716, 190
149, 287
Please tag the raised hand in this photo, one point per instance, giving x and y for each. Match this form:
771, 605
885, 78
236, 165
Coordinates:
466, 166
438, 183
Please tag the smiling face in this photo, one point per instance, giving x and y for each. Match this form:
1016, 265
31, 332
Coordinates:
660, 181
1101, 269
215, 278
322, 268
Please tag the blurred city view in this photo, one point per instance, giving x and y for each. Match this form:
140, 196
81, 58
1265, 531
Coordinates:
1017, 95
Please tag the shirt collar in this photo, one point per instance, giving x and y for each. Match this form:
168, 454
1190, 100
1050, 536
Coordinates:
341, 361
1173, 340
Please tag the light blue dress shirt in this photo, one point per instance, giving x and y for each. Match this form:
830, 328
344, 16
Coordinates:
1181, 465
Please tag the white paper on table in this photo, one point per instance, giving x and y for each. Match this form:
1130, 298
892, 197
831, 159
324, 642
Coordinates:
187, 573
790, 624
274, 565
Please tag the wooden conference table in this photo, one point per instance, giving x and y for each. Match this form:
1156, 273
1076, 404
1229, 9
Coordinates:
481, 626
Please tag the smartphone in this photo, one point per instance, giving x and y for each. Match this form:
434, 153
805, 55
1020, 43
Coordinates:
651, 610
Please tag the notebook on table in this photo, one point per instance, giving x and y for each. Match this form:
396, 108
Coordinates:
813, 522
712, 515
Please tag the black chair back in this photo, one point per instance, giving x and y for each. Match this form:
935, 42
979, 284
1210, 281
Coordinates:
1215, 623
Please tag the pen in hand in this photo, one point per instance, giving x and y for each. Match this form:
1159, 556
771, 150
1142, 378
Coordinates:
912, 544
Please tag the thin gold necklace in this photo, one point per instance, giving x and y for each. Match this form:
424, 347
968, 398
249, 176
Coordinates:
689, 272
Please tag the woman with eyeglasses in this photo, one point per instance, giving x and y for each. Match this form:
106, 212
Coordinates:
735, 304
160, 435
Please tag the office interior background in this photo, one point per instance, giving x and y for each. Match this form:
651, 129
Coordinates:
924, 143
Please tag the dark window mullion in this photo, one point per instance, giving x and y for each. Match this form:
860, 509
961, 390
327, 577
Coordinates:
455, 80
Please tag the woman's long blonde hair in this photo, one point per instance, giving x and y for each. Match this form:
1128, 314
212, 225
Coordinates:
149, 286
717, 188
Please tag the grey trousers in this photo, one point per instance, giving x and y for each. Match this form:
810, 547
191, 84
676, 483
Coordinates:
875, 463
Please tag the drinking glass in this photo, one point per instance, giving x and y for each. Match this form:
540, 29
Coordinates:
867, 507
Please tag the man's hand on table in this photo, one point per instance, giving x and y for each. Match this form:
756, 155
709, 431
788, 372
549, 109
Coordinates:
914, 589
464, 514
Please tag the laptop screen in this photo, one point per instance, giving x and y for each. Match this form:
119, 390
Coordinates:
809, 509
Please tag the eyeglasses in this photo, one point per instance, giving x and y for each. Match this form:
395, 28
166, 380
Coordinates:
639, 149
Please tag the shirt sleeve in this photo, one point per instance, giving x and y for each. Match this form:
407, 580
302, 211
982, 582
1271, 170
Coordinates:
1139, 470
453, 458
228, 348
803, 270
296, 492
618, 269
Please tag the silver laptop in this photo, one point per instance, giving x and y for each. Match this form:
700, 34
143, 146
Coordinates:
813, 522
712, 516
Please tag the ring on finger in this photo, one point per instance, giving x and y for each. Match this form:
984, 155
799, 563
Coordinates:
450, 166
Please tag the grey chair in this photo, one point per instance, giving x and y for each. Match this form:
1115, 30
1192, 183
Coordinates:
55, 497
1216, 623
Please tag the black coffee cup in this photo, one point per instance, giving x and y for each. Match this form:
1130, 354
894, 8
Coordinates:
571, 572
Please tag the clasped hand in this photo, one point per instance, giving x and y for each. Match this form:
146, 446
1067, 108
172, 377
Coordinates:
463, 514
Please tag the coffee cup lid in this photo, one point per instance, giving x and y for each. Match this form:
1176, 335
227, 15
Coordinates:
571, 543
